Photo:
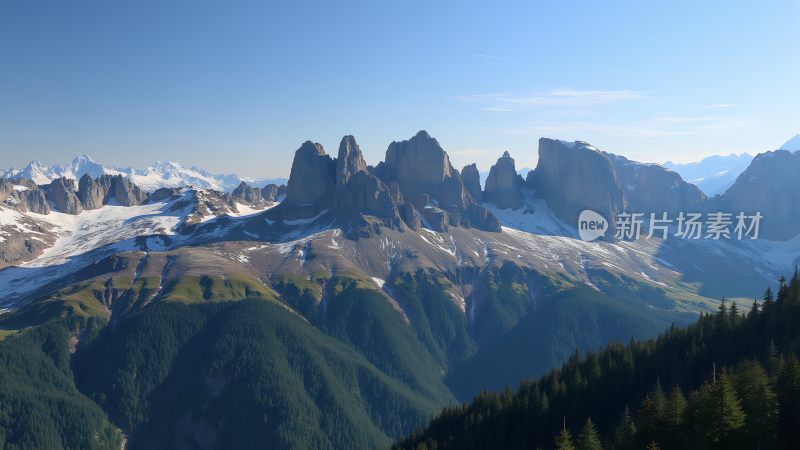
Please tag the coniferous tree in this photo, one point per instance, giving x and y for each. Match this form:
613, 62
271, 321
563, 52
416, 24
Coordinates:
787, 388
774, 360
722, 311
589, 439
718, 416
759, 401
754, 310
674, 419
782, 290
734, 313
564, 440
768, 296
794, 287
652, 414
625, 433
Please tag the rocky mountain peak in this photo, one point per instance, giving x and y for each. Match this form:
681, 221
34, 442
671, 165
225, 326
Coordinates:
90, 193
418, 165
771, 186
573, 176
472, 181
248, 195
653, 188
312, 178
503, 185
425, 177
350, 161
61, 192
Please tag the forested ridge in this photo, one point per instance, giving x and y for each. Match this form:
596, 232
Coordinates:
729, 381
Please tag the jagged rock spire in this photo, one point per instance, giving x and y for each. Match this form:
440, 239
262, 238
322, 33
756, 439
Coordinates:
503, 186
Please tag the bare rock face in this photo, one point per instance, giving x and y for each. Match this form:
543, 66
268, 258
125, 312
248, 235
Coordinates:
121, 190
503, 186
61, 192
312, 179
164, 193
248, 195
358, 192
349, 162
650, 188
472, 181
420, 166
90, 192
23, 195
425, 177
771, 186
33, 200
573, 176
272, 193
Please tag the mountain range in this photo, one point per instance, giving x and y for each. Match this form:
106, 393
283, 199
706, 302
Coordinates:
157, 175
347, 307
713, 174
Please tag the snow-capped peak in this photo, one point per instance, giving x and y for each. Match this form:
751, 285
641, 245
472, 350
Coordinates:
157, 175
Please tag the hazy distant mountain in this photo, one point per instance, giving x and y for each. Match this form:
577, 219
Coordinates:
792, 144
714, 174
157, 175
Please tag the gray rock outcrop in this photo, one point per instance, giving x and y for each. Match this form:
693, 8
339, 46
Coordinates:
472, 181
248, 195
771, 186
651, 188
573, 176
61, 192
359, 192
312, 179
272, 193
504, 185
425, 177
90, 192
121, 190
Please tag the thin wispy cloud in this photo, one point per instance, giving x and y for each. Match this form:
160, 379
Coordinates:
497, 109
656, 127
559, 97
485, 56
722, 106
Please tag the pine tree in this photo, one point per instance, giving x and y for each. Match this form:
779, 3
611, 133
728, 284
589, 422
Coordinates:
754, 310
782, 290
589, 439
773, 359
652, 414
674, 419
625, 433
787, 388
759, 401
768, 299
718, 415
734, 313
722, 318
564, 440
723, 308
794, 287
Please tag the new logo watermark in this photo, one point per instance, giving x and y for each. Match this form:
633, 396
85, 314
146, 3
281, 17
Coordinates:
632, 225
591, 225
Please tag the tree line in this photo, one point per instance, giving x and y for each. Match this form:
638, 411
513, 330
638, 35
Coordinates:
729, 381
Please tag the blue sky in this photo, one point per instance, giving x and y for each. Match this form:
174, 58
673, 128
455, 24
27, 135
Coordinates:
237, 86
